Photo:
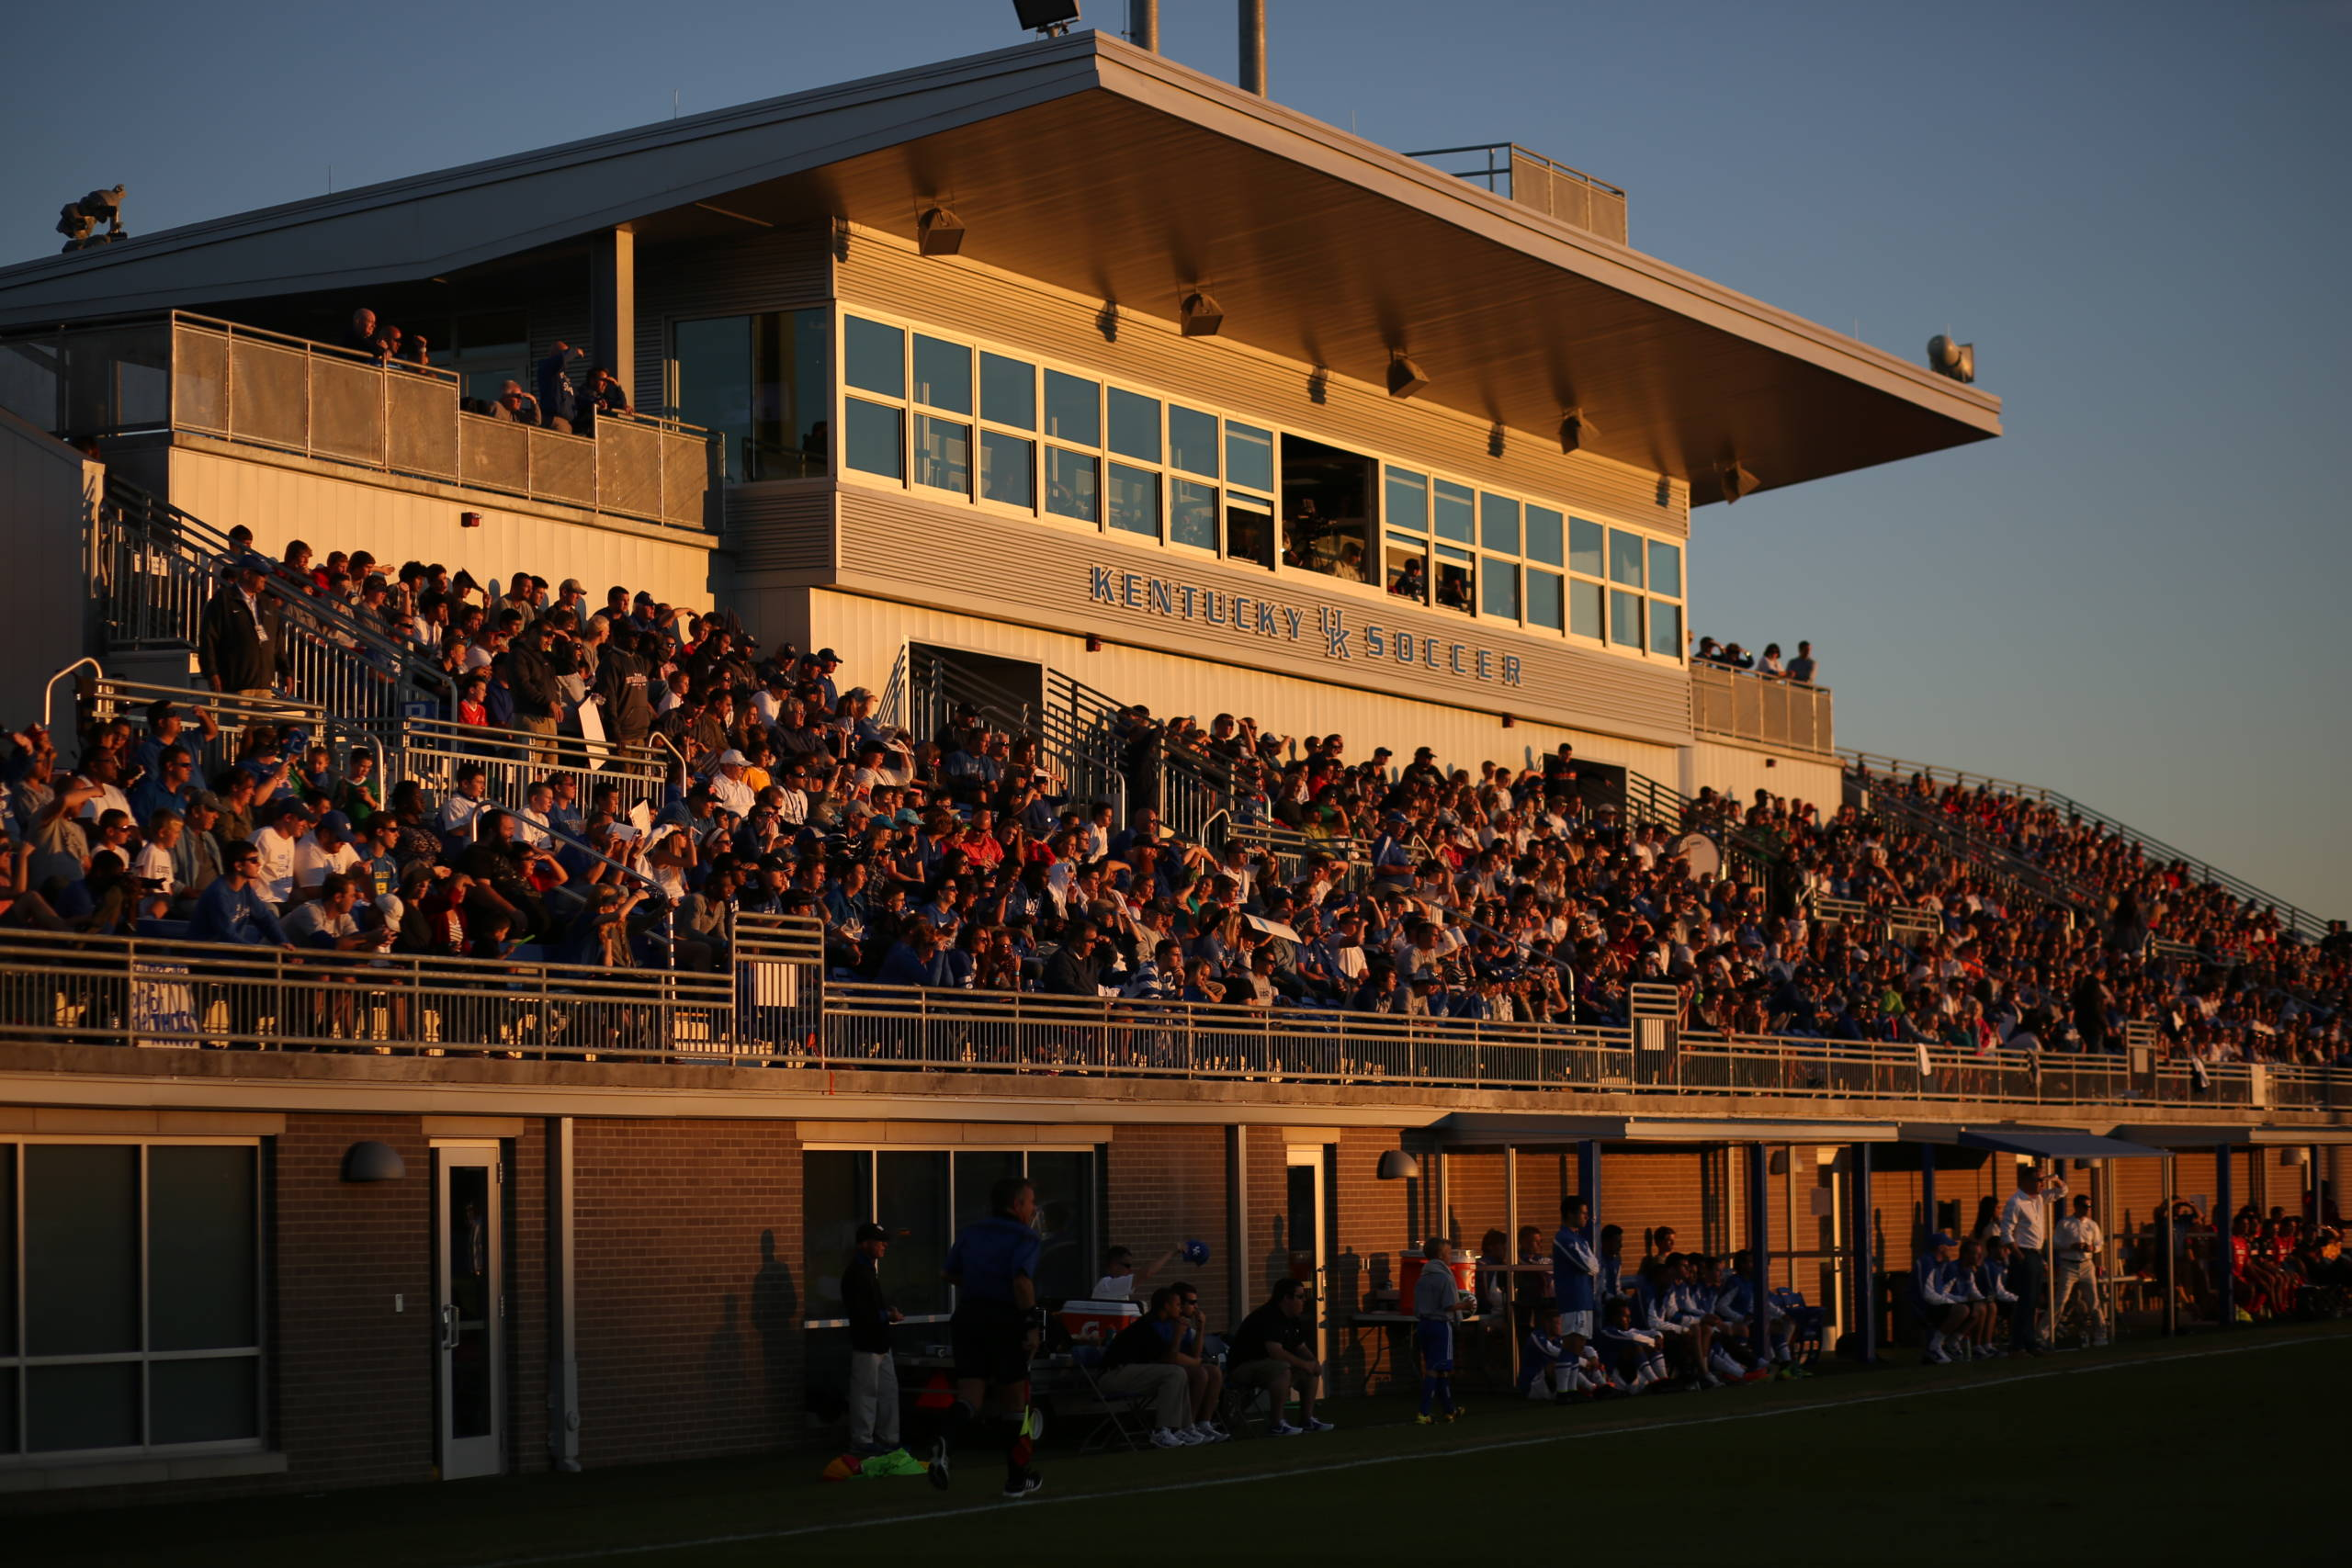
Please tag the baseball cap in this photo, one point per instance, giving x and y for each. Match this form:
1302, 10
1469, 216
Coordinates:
827, 655
731, 759
869, 1231
1941, 1238
572, 585
336, 822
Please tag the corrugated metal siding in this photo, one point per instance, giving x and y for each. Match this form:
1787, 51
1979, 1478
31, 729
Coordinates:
1736, 772
1006, 568
952, 294
772, 271
783, 525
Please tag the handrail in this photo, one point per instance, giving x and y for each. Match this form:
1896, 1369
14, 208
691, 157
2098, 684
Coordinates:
48, 692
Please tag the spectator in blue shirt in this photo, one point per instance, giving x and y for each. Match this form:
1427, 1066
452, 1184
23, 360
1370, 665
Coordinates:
233, 909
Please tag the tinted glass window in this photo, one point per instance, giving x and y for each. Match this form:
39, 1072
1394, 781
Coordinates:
943, 374
1625, 558
872, 441
1134, 501
1192, 514
1008, 468
1134, 426
1451, 510
1584, 546
1249, 457
1498, 524
1407, 499
1192, 440
1007, 390
875, 356
1666, 569
1073, 409
1543, 535
1071, 485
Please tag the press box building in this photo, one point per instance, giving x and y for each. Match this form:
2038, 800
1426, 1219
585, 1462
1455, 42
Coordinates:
1059, 368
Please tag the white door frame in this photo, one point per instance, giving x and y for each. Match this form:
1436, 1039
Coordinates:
1310, 1157
468, 1306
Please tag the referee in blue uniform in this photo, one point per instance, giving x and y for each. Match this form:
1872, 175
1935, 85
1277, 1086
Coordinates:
996, 1328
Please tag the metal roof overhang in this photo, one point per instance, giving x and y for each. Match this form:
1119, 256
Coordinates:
1101, 169
2169, 1136
1467, 1129
2042, 1143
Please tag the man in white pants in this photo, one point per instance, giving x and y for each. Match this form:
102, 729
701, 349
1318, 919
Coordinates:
873, 1374
2081, 1244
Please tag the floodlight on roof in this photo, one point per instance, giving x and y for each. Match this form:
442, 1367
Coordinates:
1576, 430
1203, 317
939, 234
1405, 378
1957, 360
1050, 17
1735, 481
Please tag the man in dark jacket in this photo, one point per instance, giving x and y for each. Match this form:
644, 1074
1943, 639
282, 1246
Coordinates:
531, 676
240, 642
1075, 969
872, 1376
620, 689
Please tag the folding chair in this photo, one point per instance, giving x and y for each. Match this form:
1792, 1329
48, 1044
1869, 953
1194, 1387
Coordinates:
1123, 1417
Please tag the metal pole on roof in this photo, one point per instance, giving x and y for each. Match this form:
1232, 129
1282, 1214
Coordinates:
1759, 1250
1865, 1271
1253, 47
2224, 1259
1143, 24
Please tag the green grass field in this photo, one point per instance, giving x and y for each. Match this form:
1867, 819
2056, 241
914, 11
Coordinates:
2152, 1450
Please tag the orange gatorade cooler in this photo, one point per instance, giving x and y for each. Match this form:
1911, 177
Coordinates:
1094, 1323
1410, 1265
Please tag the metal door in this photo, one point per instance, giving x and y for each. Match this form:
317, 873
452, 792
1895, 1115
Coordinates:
470, 1305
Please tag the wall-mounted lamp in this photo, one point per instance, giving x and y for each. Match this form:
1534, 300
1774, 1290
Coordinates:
1575, 431
1395, 1164
1202, 315
939, 234
1735, 481
1093, 643
373, 1160
1405, 378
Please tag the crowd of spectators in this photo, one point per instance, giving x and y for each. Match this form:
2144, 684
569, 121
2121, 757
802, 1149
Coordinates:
1802, 668
556, 403
963, 859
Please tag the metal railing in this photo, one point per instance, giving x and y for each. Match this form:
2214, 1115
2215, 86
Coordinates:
1792, 715
2013, 873
1545, 184
434, 751
1894, 774
776, 1005
157, 568
1071, 725
233, 716
187, 373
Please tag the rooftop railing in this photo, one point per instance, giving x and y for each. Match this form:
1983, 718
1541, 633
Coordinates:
777, 1008
1790, 716
1545, 184
193, 374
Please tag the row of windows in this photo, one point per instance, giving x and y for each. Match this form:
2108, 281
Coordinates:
138, 1268
924, 1196
1000, 430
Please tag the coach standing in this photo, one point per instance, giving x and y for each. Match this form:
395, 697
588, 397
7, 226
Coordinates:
996, 1328
2025, 1226
873, 1375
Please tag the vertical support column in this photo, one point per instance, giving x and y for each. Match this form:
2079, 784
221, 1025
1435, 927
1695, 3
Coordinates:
612, 306
1510, 1200
1237, 1223
2165, 1238
1859, 1247
1588, 1183
1759, 1248
2224, 1224
563, 1355
2316, 1187
1927, 1225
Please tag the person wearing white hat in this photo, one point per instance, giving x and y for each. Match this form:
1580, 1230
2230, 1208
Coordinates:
728, 786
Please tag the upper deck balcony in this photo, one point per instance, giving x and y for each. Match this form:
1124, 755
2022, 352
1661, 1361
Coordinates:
179, 376
1769, 711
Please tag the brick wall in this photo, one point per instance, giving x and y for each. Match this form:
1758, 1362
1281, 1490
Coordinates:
1165, 1185
688, 1288
354, 1378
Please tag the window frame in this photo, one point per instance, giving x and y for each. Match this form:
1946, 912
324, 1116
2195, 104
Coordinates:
873, 1196
14, 1357
1226, 495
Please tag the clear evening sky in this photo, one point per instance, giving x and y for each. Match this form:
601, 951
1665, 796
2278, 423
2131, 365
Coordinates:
2137, 211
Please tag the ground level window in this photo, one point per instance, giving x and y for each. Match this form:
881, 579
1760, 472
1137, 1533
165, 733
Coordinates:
138, 1268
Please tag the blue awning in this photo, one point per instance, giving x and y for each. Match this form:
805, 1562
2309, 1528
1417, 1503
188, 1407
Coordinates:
2053, 1143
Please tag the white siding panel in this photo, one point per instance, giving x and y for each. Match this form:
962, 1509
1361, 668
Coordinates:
280, 504
869, 633
47, 492
1739, 772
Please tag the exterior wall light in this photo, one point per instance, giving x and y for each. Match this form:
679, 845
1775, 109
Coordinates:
941, 233
373, 1160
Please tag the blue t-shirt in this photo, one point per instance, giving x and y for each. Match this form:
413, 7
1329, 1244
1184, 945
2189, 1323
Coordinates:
989, 1254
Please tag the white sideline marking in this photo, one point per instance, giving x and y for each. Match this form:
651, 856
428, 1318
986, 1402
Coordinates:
599, 1553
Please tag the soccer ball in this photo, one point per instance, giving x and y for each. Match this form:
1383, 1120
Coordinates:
1466, 1300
